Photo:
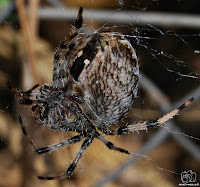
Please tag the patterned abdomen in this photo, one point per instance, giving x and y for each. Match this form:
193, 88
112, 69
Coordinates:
109, 76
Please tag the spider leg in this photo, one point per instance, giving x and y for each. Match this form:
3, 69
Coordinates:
52, 147
25, 133
56, 59
110, 145
145, 125
30, 90
69, 44
23, 96
16, 91
79, 19
61, 144
74, 163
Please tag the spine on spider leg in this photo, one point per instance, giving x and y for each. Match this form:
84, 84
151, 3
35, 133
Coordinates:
145, 125
132, 128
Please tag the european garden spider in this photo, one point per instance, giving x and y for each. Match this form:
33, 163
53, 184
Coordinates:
95, 83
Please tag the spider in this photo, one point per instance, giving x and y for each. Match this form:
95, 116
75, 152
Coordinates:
95, 83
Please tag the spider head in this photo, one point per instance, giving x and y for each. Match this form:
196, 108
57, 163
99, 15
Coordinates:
55, 104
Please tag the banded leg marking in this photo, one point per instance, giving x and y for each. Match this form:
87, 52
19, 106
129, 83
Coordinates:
60, 145
110, 145
73, 165
152, 124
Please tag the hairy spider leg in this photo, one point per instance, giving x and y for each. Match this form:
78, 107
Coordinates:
25, 133
23, 96
16, 91
52, 147
145, 125
74, 163
68, 43
109, 144
60, 144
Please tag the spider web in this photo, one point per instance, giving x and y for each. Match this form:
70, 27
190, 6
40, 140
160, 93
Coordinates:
173, 60
149, 41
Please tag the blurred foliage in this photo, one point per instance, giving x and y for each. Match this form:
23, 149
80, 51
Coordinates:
4, 3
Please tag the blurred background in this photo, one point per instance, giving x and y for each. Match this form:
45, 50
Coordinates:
165, 35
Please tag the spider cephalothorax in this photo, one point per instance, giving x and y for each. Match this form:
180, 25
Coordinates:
95, 82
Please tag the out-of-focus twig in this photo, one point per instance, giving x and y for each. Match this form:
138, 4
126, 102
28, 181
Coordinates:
33, 17
126, 17
56, 4
26, 31
28, 27
160, 136
5, 12
184, 141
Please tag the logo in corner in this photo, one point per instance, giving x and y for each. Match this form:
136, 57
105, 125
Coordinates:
188, 178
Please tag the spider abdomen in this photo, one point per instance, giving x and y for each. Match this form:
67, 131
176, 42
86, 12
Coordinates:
106, 68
